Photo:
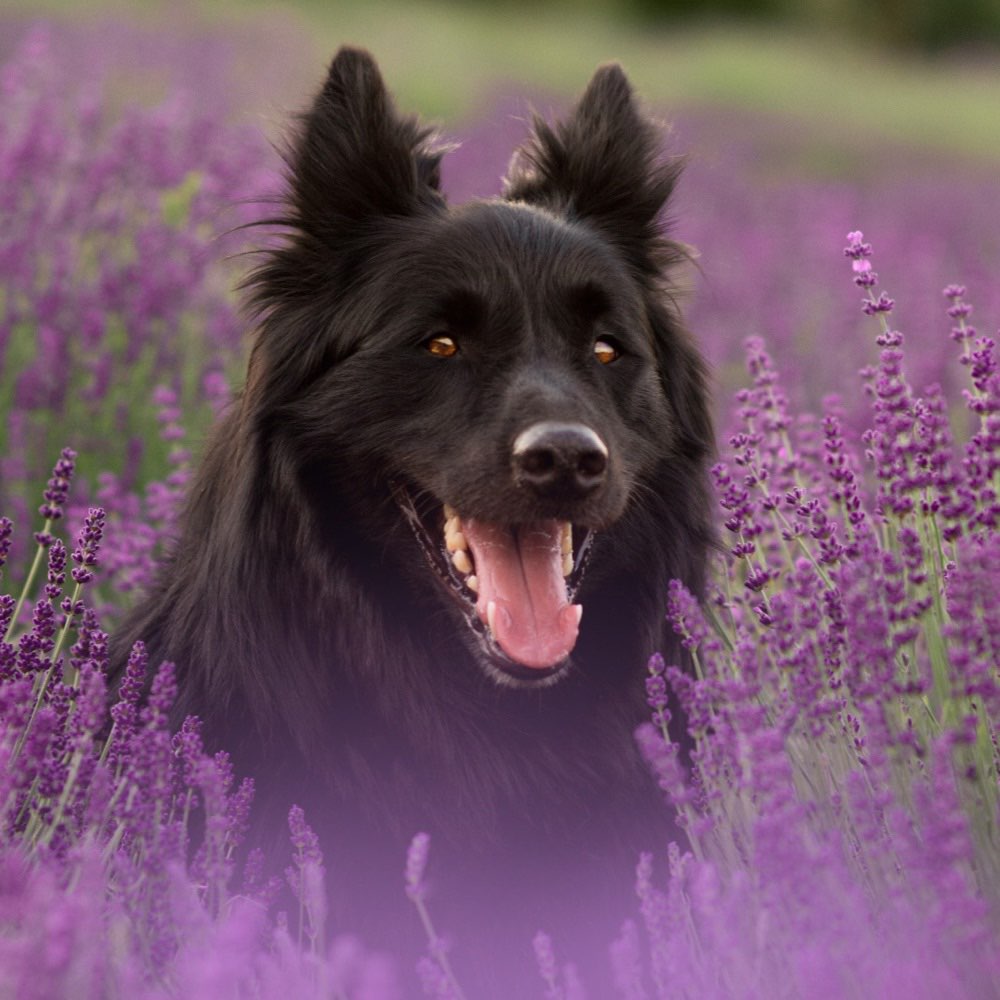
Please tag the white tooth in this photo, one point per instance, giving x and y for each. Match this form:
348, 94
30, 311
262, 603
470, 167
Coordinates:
491, 616
449, 512
567, 563
567, 538
461, 561
578, 609
472, 582
452, 524
455, 541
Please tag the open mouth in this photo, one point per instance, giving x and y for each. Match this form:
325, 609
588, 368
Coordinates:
515, 584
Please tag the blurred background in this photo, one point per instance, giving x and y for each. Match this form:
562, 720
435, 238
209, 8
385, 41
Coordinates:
135, 138
917, 70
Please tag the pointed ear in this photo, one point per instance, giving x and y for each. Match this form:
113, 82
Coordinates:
603, 164
353, 165
356, 158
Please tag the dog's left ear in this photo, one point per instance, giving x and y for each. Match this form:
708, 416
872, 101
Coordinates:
604, 165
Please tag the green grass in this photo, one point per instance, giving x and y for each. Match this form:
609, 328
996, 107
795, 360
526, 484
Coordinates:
445, 59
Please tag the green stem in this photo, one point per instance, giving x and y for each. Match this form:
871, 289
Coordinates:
717, 626
64, 632
39, 700
67, 790
439, 956
28, 583
107, 744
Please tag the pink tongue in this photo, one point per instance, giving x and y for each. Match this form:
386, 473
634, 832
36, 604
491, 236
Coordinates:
520, 570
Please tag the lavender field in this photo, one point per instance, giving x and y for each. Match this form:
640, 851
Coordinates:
842, 810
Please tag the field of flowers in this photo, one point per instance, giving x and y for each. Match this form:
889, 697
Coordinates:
842, 809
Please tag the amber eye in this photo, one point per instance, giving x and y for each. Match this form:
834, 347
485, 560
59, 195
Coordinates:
442, 347
605, 352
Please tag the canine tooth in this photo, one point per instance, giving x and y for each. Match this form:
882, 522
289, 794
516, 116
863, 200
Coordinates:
472, 582
449, 512
491, 616
452, 524
461, 561
567, 566
455, 541
567, 538
578, 610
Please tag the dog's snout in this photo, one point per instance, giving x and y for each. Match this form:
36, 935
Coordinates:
558, 459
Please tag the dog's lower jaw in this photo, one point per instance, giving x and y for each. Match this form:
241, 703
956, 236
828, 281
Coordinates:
506, 673
521, 624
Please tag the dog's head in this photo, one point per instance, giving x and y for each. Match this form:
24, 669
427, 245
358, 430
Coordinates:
507, 378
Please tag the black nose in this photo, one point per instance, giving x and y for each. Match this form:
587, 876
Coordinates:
560, 460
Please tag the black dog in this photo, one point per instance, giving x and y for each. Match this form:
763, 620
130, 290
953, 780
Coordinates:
462, 429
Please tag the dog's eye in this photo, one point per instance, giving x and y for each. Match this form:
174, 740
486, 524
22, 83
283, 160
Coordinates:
606, 352
441, 346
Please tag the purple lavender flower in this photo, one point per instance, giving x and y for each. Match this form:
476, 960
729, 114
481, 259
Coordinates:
57, 571
91, 644
238, 806
304, 841
58, 486
156, 713
626, 962
973, 626
6, 531
212, 866
416, 864
662, 757
85, 554
656, 693
34, 646
546, 958
7, 650
124, 713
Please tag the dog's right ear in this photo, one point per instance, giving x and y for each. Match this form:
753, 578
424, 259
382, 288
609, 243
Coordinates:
356, 159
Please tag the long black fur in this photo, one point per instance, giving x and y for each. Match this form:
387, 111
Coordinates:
309, 632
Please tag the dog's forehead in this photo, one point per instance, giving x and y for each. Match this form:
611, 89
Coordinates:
521, 236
